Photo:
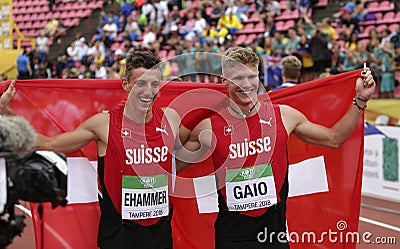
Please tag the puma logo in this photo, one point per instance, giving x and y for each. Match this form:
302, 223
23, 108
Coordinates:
262, 121
162, 130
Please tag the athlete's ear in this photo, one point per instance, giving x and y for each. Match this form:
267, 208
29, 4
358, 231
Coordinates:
125, 85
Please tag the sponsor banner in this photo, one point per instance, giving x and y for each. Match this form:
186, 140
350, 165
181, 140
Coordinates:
381, 164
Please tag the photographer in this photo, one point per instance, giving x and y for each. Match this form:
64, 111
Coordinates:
34, 176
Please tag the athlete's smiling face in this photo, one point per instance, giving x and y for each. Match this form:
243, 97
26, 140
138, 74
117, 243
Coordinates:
242, 83
143, 86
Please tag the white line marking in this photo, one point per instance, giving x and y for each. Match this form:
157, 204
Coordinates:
25, 210
381, 224
48, 228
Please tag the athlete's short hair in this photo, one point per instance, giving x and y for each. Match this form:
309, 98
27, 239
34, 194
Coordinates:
291, 67
137, 59
238, 55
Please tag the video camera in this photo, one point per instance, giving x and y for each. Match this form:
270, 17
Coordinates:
40, 176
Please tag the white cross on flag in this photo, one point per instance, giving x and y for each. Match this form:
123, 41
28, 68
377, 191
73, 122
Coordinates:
125, 133
228, 130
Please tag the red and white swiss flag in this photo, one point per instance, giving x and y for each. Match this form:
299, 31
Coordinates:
325, 183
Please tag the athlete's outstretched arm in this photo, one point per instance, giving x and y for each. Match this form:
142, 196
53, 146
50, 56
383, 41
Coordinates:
95, 128
333, 137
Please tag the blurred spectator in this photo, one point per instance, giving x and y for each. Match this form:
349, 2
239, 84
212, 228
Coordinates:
305, 26
103, 18
321, 54
242, 11
304, 6
96, 48
238, 8
269, 24
109, 58
110, 30
23, 66
187, 28
278, 44
273, 7
395, 36
73, 51
291, 67
141, 19
149, 37
162, 12
43, 72
175, 15
132, 30
35, 64
387, 83
213, 62
198, 61
328, 29
231, 23
396, 65
173, 36
292, 42
200, 23
51, 27
254, 46
98, 59
352, 42
348, 25
216, 13
149, 10
82, 49
178, 3
42, 43
112, 72
350, 61
126, 11
60, 66
362, 54
209, 35
100, 72
375, 63
70, 73
303, 52
88, 72
182, 58
359, 11
268, 48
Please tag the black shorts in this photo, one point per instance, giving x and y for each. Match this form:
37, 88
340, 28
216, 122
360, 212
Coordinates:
131, 235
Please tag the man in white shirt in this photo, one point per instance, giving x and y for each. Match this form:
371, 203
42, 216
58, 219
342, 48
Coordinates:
110, 31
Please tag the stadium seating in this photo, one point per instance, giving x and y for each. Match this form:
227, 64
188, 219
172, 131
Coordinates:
31, 16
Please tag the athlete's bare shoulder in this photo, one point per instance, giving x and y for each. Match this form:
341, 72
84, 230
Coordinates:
98, 124
290, 117
173, 119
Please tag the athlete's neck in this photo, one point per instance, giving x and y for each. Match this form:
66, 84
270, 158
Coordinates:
244, 111
138, 116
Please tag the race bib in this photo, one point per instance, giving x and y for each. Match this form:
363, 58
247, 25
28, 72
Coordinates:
144, 197
250, 188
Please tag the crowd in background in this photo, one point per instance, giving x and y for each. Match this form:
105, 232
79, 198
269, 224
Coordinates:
330, 46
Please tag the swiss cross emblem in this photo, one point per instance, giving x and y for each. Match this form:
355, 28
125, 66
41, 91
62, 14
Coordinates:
228, 130
125, 133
